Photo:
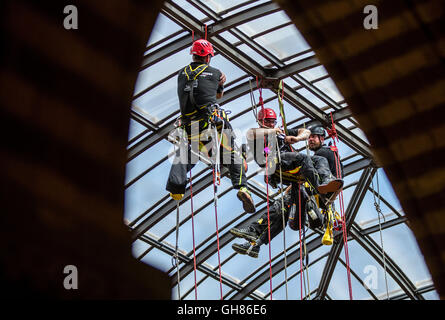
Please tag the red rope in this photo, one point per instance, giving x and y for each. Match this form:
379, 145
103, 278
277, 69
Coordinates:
193, 234
205, 26
301, 250
333, 135
267, 189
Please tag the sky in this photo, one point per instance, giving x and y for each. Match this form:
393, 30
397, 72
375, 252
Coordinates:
161, 101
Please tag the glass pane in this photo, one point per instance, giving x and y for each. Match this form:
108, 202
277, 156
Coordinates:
163, 27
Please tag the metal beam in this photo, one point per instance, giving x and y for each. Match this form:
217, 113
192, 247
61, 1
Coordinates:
170, 206
277, 62
385, 225
312, 111
276, 268
201, 267
242, 17
293, 68
420, 290
211, 248
337, 115
149, 141
165, 51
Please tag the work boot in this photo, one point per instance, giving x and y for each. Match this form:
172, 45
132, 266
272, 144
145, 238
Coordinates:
244, 195
329, 184
248, 233
247, 248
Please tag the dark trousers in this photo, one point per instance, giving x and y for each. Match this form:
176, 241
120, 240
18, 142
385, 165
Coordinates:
290, 161
298, 202
291, 205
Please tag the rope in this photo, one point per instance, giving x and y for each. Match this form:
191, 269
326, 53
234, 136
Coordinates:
282, 215
299, 232
306, 265
253, 102
379, 213
193, 234
261, 102
334, 136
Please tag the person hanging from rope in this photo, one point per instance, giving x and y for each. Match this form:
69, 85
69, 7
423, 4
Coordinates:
256, 232
199, 87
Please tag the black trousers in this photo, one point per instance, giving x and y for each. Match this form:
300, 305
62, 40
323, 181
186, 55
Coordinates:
185, 159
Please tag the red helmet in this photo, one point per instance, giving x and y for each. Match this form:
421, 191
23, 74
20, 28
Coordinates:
267, 114
202, 48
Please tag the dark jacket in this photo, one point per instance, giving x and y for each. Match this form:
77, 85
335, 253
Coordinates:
330, 154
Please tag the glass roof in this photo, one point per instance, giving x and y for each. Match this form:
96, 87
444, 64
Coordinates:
249, 38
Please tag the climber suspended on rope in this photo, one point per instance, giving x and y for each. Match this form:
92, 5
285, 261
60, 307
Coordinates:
199, 87
318, 175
